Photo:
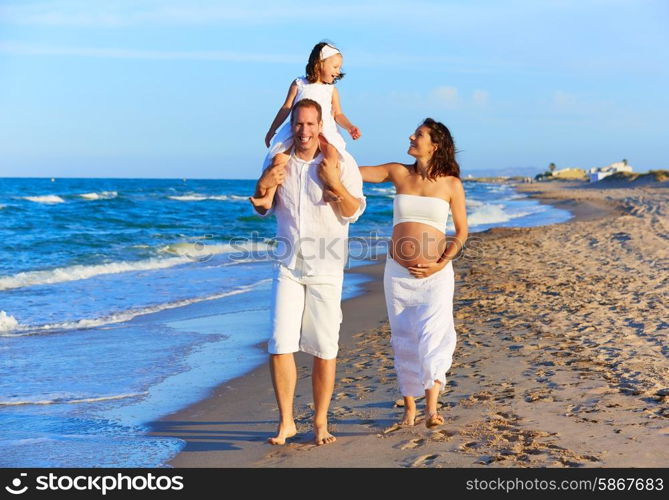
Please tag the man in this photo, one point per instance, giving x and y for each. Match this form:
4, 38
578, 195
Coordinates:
312, 251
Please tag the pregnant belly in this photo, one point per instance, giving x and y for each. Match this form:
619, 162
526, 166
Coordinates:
416, 243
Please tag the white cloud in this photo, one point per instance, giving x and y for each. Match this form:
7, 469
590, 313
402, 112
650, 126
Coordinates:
480, 98
563, 101
116, 53
116, 13
446, 96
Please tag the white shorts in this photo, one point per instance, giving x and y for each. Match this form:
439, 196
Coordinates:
306, 313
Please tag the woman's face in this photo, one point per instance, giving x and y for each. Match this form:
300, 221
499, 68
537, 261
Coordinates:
420, 143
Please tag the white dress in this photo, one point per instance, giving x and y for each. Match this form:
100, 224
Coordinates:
322, 94
420, 310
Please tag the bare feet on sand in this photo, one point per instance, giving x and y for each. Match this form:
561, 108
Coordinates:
433, 420
322, 436
409, 417
283, 432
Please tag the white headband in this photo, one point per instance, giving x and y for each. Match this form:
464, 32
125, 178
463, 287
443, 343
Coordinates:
328, 51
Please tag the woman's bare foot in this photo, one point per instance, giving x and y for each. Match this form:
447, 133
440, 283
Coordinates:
433, 420
264, 202
322, 436
283, 432
409, 417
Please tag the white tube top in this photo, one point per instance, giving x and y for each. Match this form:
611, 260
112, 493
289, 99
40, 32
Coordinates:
424, 209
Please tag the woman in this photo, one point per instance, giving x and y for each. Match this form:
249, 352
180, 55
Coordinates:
418, 278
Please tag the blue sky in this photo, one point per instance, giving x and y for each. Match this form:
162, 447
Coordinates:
139, 88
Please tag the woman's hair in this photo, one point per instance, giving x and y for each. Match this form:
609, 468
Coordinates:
314, 65
443, 161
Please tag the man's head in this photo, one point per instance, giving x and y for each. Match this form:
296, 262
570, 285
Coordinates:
306, 122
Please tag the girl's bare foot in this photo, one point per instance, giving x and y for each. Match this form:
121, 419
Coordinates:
433, 420
283, 432
322, 436
264, 202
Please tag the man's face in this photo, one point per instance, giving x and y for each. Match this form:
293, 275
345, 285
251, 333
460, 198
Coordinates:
306, 128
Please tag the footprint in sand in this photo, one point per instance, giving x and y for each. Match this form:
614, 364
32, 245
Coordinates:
424, 461
442, 435
411, 444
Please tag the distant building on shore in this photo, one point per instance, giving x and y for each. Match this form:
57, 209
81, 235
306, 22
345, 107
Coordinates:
598, 173
569, 173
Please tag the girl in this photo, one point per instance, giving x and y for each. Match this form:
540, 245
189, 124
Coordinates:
322, 71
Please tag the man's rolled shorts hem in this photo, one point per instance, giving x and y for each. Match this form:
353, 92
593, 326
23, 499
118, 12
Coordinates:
313, 352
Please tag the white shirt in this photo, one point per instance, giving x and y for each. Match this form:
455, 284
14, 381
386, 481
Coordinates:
308, 227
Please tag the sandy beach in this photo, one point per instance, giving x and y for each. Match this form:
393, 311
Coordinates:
561, 358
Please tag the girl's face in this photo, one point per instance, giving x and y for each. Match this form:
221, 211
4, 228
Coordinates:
420, 143
331, 68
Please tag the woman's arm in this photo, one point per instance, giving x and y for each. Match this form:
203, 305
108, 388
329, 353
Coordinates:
340, 117
378, 173
454, 244
282, 114
459, 214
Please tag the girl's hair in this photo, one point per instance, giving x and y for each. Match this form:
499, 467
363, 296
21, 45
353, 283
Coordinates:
314, 65
443, 161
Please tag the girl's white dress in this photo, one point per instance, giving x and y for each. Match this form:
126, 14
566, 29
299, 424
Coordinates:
322, 94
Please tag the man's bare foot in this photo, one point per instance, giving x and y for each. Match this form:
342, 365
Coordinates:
433, 420
322, 436
283, 433
264, 202
409, 417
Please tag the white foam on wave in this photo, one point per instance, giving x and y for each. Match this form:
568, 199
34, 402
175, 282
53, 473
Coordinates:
19, 330
198, 250
80, 272
66, 398
382, 190
48, 199
7, 323
492, 214
104, 195
202, 197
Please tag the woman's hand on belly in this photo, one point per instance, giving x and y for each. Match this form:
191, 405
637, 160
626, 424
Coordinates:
425, 270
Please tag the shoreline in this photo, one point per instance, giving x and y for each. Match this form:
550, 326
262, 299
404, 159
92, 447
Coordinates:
229, 427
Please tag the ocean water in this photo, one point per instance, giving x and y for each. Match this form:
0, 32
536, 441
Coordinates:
123, 300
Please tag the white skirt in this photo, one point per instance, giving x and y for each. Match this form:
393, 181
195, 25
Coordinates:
420, 311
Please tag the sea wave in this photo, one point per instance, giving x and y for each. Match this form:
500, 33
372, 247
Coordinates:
198, 250
15, 329
104, 195
492, 214
7, 322
80, 272
202, 197
66, 398
48, 199
381, 190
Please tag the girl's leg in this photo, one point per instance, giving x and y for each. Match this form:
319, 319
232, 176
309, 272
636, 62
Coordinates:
432, 417
267, 200
332, 156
